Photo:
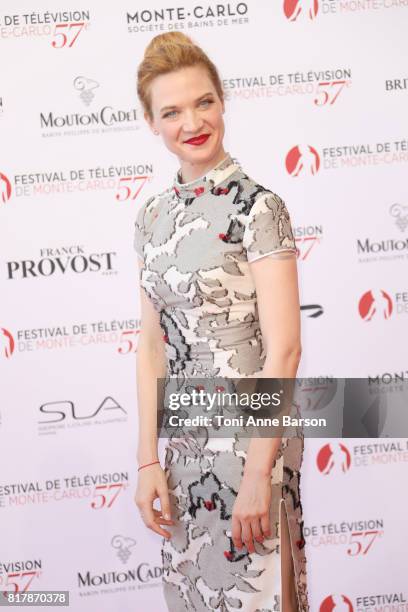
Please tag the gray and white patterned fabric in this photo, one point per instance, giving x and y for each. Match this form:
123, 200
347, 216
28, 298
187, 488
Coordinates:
197, 241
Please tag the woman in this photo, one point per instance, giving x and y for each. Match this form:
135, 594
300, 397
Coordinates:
219, 297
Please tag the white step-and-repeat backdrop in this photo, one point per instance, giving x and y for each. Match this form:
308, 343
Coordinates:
316, 111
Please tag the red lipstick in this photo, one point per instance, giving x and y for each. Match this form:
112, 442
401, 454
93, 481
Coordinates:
198, 140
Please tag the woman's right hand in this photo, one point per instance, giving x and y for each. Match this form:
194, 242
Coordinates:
151, 484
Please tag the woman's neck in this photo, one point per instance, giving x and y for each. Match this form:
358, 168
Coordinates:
191, 171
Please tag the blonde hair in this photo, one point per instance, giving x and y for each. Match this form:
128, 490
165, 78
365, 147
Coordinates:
169, 52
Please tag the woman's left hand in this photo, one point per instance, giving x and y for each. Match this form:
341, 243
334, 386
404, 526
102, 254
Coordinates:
251, 511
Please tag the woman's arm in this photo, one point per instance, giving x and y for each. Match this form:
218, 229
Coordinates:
276, 283
151, 365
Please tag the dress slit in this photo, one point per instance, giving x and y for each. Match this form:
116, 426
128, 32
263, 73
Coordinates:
288, 577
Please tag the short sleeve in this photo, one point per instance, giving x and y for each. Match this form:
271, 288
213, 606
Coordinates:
139, 231
268, 228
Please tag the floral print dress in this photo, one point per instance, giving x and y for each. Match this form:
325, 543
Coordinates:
197, 241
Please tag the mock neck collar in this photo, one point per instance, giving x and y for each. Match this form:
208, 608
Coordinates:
203, 184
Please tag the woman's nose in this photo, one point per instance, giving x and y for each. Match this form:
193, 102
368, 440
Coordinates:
192, 122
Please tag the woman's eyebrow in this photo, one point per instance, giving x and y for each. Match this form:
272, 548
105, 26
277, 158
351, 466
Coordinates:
174, 105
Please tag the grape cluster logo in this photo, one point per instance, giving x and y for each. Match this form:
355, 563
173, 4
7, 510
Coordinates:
375, 302
86, 88
300, 8
400, 213
124, 546
302, 158
333, 457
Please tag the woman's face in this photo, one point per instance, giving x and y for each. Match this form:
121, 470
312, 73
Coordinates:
185, 105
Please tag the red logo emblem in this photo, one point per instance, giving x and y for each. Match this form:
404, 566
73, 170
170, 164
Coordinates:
302, 158
304, 8
375, 302
333, 457
5, 188
336, 603
6, 343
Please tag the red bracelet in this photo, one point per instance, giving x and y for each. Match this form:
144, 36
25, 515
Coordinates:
146, 464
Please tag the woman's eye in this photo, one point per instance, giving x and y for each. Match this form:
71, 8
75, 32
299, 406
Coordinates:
173, 112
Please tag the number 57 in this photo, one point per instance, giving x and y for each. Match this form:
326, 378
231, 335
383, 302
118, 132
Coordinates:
62, 37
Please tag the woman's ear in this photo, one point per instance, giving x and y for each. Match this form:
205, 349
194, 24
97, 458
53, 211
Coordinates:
149, 122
